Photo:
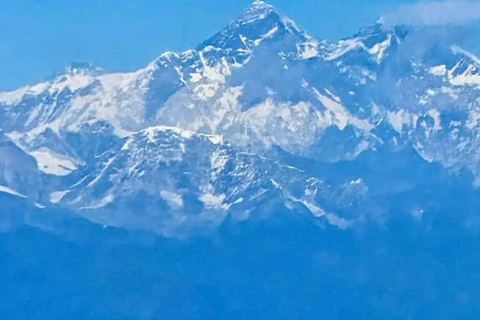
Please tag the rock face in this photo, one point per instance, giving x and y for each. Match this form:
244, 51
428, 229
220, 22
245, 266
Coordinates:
260, 116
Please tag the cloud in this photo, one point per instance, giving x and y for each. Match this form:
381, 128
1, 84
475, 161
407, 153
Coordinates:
436, 13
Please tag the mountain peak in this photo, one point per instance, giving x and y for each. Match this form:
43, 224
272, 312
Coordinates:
261, 5
81, 68
258, 10
260, 20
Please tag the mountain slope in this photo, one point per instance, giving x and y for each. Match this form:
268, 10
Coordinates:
169, 180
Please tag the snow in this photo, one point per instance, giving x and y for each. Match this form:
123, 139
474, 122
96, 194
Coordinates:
219, 160
435, 114
259, 10
73, 82
109, 198
52, 163
195, 77
106, 165
469, 78
379, 49
38, 88
174, 200
261, 4
401, 118
450, 91
267, 35
439, 71
118, 100
345, 46
216, 73
151, 133
215, 139
396, 120
14, 97
458, 50
206, 91
473, 120
38, 205
356, 182
11, 192
169, 55
309, 49
315, 210
334, 97
213, 201
57, 196
291, 25
339, 113
420, 150
118, 81
253, 112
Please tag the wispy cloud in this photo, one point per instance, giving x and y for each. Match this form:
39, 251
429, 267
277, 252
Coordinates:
436, 13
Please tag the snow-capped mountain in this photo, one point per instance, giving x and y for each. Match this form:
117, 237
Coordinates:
228, 128
172, 181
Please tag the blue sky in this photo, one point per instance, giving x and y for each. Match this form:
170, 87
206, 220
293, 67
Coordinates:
40, 37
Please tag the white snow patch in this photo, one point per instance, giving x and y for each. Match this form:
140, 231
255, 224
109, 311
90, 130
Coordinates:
219, 160
458, 50
309, 48
421, 151
473, 120
334, 97
276, 184
340, 115
195, 77
356, 182
343, 47
14, 97
151, 132
435, 114
267, 35
451, 92
102, 203
213, 201
380, 48
53, 163
11, 192
468, 78
206, 91
439, 71
401, 118
73, 82
38, 205
318, 212
215, 139
118, 81
174, 200
57, 196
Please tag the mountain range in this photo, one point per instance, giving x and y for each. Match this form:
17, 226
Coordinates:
259, 118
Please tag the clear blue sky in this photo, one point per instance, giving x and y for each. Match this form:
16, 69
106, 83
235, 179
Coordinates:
40, 37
